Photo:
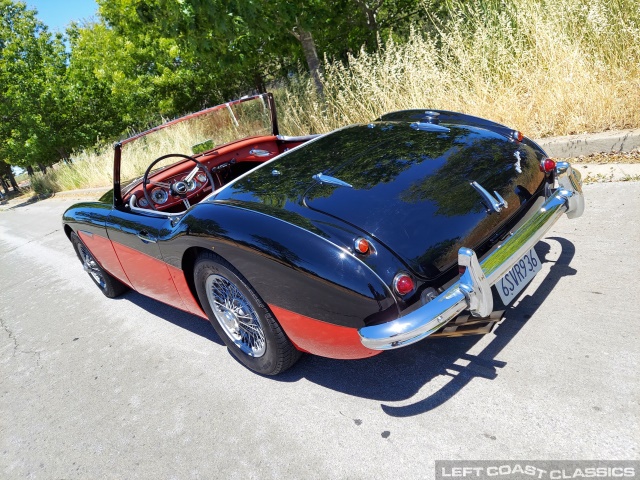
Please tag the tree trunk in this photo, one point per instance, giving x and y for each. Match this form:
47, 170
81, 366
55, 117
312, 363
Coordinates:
12, 179
42, 168
5, 187
30, 170
370, 11
259, 83
311, 55
66, 158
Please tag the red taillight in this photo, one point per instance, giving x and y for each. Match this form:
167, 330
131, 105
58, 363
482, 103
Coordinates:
547, 165
403, 284
361, 245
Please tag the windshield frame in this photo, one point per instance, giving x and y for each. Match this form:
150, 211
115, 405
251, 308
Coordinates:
117, 154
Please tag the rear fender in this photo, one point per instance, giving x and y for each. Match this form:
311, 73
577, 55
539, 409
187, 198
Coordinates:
289, 266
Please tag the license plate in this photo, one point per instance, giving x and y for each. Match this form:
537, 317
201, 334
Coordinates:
512, 283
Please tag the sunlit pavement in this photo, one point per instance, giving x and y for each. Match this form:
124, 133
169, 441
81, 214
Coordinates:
131, 388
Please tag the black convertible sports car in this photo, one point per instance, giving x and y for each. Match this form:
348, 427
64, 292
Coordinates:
371, 237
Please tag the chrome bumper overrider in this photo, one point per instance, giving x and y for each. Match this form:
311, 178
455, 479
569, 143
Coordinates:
473, 291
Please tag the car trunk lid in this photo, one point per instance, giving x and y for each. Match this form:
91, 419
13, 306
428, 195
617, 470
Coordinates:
425, 193
407, 187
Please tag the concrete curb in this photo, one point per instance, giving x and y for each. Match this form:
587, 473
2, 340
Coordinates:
572, 146
81, 194
84, 192
608, 172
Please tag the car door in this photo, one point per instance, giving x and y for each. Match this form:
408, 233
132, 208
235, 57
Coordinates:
135, 238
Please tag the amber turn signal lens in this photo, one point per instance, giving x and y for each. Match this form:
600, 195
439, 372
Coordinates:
403, 284
517, 135
361, 245
547, 165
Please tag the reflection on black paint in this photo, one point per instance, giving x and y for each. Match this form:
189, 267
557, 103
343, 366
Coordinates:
199, 225
278, 250
363, 157
482, 161
410, 188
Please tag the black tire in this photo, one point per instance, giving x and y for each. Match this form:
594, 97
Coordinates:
241, 318
110, 286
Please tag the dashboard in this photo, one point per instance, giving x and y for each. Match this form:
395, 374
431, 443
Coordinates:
225, 164
164, 198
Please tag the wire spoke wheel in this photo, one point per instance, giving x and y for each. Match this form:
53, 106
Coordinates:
108, 285
236, 315
241, 318
91, 267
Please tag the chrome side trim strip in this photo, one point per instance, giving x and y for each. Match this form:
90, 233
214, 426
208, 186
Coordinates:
473, 291
147, 211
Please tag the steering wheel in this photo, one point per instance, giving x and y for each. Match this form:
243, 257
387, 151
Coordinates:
179, 188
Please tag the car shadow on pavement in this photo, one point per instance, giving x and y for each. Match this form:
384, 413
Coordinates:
438, 368
19, 201
182, 319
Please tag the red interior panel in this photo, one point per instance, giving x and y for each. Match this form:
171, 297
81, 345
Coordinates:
237, 152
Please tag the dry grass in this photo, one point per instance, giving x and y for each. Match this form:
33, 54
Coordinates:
545, 68
95, 168
91, 168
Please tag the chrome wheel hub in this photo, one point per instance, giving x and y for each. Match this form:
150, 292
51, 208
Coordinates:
230, 320
236, 316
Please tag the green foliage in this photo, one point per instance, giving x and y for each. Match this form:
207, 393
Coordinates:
31, 61
249, 43
144, 60
149, 59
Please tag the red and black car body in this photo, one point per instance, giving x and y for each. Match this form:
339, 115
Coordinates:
370, 237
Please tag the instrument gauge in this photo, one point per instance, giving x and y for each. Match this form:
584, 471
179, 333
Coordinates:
202, 178
192, 185
143, 203
159, 196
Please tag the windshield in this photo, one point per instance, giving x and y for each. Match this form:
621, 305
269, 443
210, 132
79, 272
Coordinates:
195, 134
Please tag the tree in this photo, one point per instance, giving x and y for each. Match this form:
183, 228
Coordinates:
31, 63
253, 41
5, 171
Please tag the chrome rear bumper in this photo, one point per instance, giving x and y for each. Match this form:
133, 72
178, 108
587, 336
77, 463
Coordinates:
473, 291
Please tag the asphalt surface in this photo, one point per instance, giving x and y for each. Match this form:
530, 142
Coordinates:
130, 388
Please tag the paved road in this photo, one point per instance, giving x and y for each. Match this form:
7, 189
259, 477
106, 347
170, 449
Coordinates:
131, 388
